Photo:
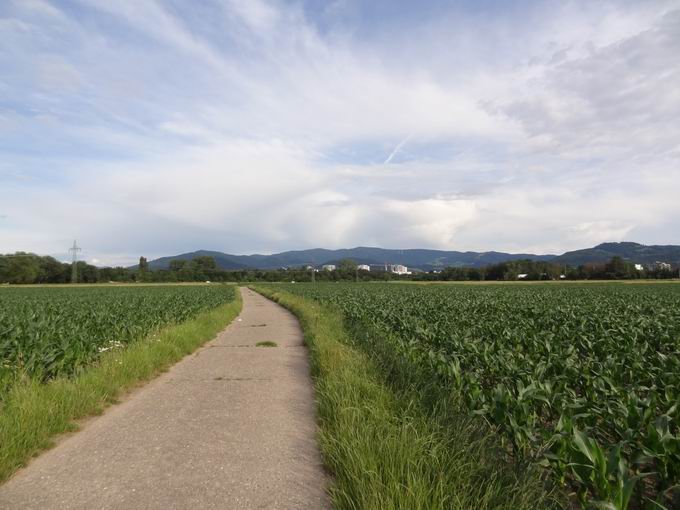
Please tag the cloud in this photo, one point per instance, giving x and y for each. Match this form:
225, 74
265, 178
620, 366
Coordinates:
151, 128
619, 99
258, 15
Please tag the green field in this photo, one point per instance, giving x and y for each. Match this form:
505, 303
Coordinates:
582, 380
68, 352
51, 331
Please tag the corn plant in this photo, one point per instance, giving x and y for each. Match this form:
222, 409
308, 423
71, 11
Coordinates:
48, 331
581, 379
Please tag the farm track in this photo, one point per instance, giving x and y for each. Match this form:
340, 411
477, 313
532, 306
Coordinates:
231, 426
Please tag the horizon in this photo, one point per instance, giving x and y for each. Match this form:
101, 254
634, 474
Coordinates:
134, 260
150, 127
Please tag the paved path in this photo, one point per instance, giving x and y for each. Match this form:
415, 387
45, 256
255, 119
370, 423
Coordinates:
231, 426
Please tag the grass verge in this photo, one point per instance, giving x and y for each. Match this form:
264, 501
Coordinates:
33, 414
383, 449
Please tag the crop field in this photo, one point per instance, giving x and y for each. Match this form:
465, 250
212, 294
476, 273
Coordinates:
48, 331
583, 380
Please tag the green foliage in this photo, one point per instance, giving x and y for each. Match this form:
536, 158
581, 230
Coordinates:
581, 379
26, 268
143, 265
23, 268
47, 331
387, 453
32, 413
347, 265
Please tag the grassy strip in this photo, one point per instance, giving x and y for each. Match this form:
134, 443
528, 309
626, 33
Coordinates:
384, 450
33, 413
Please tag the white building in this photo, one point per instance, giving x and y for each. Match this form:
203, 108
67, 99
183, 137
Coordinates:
328, 267
639, 267
399, 269
364, 267
522, 276
663, 266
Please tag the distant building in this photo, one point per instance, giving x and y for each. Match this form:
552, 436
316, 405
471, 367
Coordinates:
639, 267
663, 266
328, 267
390, 268
398, 269
522, 276
364, 267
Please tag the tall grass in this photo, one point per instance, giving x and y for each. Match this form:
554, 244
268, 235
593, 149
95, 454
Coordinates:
388, 451
33, 413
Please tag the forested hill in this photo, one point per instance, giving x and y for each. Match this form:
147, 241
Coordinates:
421, 259
631, 252
428, 259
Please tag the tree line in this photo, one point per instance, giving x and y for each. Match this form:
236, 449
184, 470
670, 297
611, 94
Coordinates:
27, 268
615, 269
22, 267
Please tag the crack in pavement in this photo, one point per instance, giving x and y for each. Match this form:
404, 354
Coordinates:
226, 379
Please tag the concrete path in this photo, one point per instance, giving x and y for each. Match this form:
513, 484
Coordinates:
231, 426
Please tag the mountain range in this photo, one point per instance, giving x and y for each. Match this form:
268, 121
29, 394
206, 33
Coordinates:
631, 252
427, 260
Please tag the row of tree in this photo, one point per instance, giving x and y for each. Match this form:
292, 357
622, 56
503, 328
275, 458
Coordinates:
205, 269
22, 268
615, 269
25, 268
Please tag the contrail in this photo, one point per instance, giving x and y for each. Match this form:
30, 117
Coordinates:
397, 149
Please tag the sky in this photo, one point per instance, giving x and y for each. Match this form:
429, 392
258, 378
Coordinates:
156, 127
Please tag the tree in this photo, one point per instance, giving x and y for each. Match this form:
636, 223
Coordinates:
4, 269
347, 265
618, 268
21, 268
87, 273
52, 271
143, 265
204, 263
203, 268
113, 274
497, 271
177, 265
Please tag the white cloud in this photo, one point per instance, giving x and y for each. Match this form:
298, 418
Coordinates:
39, 7
242, 126
619, 99
259, 15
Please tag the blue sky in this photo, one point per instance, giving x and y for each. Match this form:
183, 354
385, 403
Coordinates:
152, 127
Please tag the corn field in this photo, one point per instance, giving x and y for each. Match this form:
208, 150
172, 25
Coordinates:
583, 380
50, 331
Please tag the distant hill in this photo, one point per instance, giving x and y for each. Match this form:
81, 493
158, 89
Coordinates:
419, 259
632, 252
427, 260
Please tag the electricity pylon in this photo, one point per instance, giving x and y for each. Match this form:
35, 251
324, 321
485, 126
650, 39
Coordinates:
74, 269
